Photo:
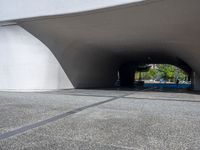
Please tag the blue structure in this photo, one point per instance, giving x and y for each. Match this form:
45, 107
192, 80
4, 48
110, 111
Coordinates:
165, 85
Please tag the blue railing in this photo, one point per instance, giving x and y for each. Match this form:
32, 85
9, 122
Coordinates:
166, 85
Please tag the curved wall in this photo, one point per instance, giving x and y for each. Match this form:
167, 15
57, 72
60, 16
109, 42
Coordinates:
27, 64
18, 9
92, 46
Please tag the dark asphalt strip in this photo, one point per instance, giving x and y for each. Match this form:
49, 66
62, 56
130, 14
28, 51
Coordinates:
72, 94
75, 93
55, 118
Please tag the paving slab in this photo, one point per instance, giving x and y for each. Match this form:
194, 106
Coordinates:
19, 109
166, 96
92, 92
119, 123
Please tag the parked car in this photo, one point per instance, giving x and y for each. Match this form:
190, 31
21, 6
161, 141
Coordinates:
162, 81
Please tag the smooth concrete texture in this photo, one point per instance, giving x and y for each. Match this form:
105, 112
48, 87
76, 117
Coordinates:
126, 122
27, 64
15, 9
92, 45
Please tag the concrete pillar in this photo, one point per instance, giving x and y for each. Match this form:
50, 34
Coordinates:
196, 81
127, 75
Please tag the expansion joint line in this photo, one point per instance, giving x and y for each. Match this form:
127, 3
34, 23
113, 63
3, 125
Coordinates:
58, 117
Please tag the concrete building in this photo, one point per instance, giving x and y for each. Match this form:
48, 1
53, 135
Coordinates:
62, 44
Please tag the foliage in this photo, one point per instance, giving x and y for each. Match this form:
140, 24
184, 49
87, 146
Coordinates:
164, 71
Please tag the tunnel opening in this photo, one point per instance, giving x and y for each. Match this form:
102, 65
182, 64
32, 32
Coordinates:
163, 76
157, 75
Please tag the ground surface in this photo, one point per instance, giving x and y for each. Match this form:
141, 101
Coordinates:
100, 119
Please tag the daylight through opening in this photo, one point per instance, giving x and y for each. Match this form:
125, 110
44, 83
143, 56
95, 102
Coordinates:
154, 75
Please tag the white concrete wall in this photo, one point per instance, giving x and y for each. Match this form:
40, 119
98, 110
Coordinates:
17, 9
27, 64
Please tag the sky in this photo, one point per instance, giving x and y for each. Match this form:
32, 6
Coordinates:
17, 9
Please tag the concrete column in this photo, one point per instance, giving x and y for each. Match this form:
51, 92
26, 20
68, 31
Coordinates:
196, 81
127, 75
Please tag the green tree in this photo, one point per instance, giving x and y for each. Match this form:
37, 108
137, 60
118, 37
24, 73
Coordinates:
151, 74
166, 72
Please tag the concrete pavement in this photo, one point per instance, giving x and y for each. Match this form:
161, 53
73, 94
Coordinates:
99, 119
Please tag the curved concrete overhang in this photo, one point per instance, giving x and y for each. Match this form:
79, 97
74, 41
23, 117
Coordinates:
92, 45
14, 9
